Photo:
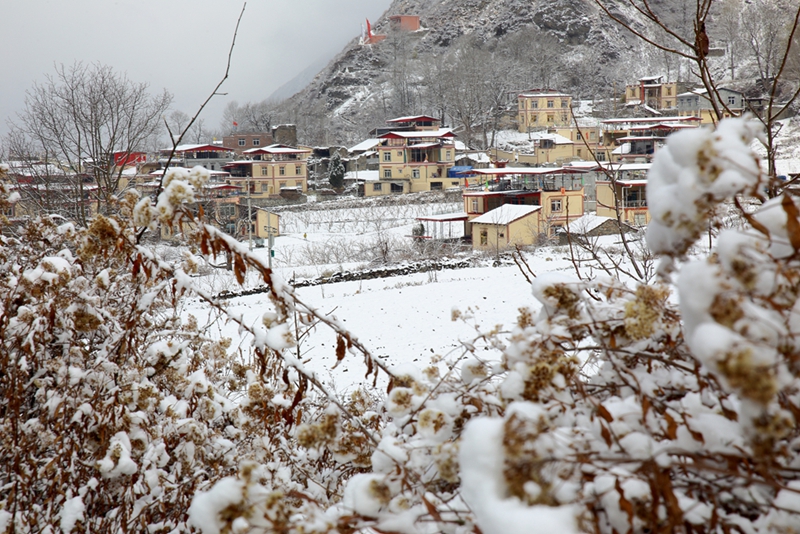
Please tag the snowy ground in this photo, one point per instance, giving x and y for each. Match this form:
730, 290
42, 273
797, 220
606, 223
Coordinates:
405, 319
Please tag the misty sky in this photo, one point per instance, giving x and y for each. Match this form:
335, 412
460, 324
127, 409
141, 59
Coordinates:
178, 45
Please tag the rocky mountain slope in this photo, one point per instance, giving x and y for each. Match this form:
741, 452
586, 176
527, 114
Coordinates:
470, 59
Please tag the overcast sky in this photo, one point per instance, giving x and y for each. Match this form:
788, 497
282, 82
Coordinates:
178, 45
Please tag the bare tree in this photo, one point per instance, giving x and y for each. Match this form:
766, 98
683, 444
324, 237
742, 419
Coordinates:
774, 51
88, 117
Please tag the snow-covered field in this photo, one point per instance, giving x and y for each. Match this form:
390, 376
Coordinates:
402, 319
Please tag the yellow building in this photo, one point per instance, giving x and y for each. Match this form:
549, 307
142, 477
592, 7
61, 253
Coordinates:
560, 196
638, 139
506, 226
653, 93
267, 223
414, 159
543, 109
626, 194
270, 169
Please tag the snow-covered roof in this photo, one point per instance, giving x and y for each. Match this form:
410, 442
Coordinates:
587, 223
275, 149
441, 132
159, 172
413, 118
367, 176
445, 217
365, 145
506, 214
624, 148
195, 148
527, 170
544, 95
650, 119
479, 157
632, 183
424, 145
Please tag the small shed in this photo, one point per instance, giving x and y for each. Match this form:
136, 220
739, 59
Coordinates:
592, 225
508, 225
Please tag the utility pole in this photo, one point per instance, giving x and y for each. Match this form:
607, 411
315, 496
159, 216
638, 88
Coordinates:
249, 218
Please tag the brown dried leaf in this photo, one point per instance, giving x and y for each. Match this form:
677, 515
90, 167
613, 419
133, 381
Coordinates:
431, 509
340, 351
624, 503
606, 434
672, 427
604, 413
792, 224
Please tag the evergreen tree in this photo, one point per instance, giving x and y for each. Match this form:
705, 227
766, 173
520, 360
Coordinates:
336, 172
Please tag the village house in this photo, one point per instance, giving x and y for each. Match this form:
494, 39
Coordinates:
543, 109
269, 170
626, 193
414, 158
241, 141
549, 148
638, 139
558, 191
212, 157
652, 93
697, 103
506, 226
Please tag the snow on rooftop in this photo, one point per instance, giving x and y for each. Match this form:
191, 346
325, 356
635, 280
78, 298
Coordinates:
587, 223
367, 176
441, 132
365, 145
505, 214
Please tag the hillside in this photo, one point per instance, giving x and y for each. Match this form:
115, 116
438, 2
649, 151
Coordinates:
471, 57
566, 44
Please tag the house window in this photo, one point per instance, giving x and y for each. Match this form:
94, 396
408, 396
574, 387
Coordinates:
454, 183
242, 142
639, 219
564, 104
535, 104
551, 103
377, 187
563, 117
447, 155
731, 100
387, 156
578, 136
579, 153
484, 237
669, 91
555, 204
263, 171
282, 170
387, 173
298, 169
550, 118
256, 142
474, 205
535, 118
415, 173
436, 186
399, 153
501, 234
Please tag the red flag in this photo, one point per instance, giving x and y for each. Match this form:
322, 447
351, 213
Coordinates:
235, 123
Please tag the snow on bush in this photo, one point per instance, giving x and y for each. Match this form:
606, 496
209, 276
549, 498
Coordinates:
607, 408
